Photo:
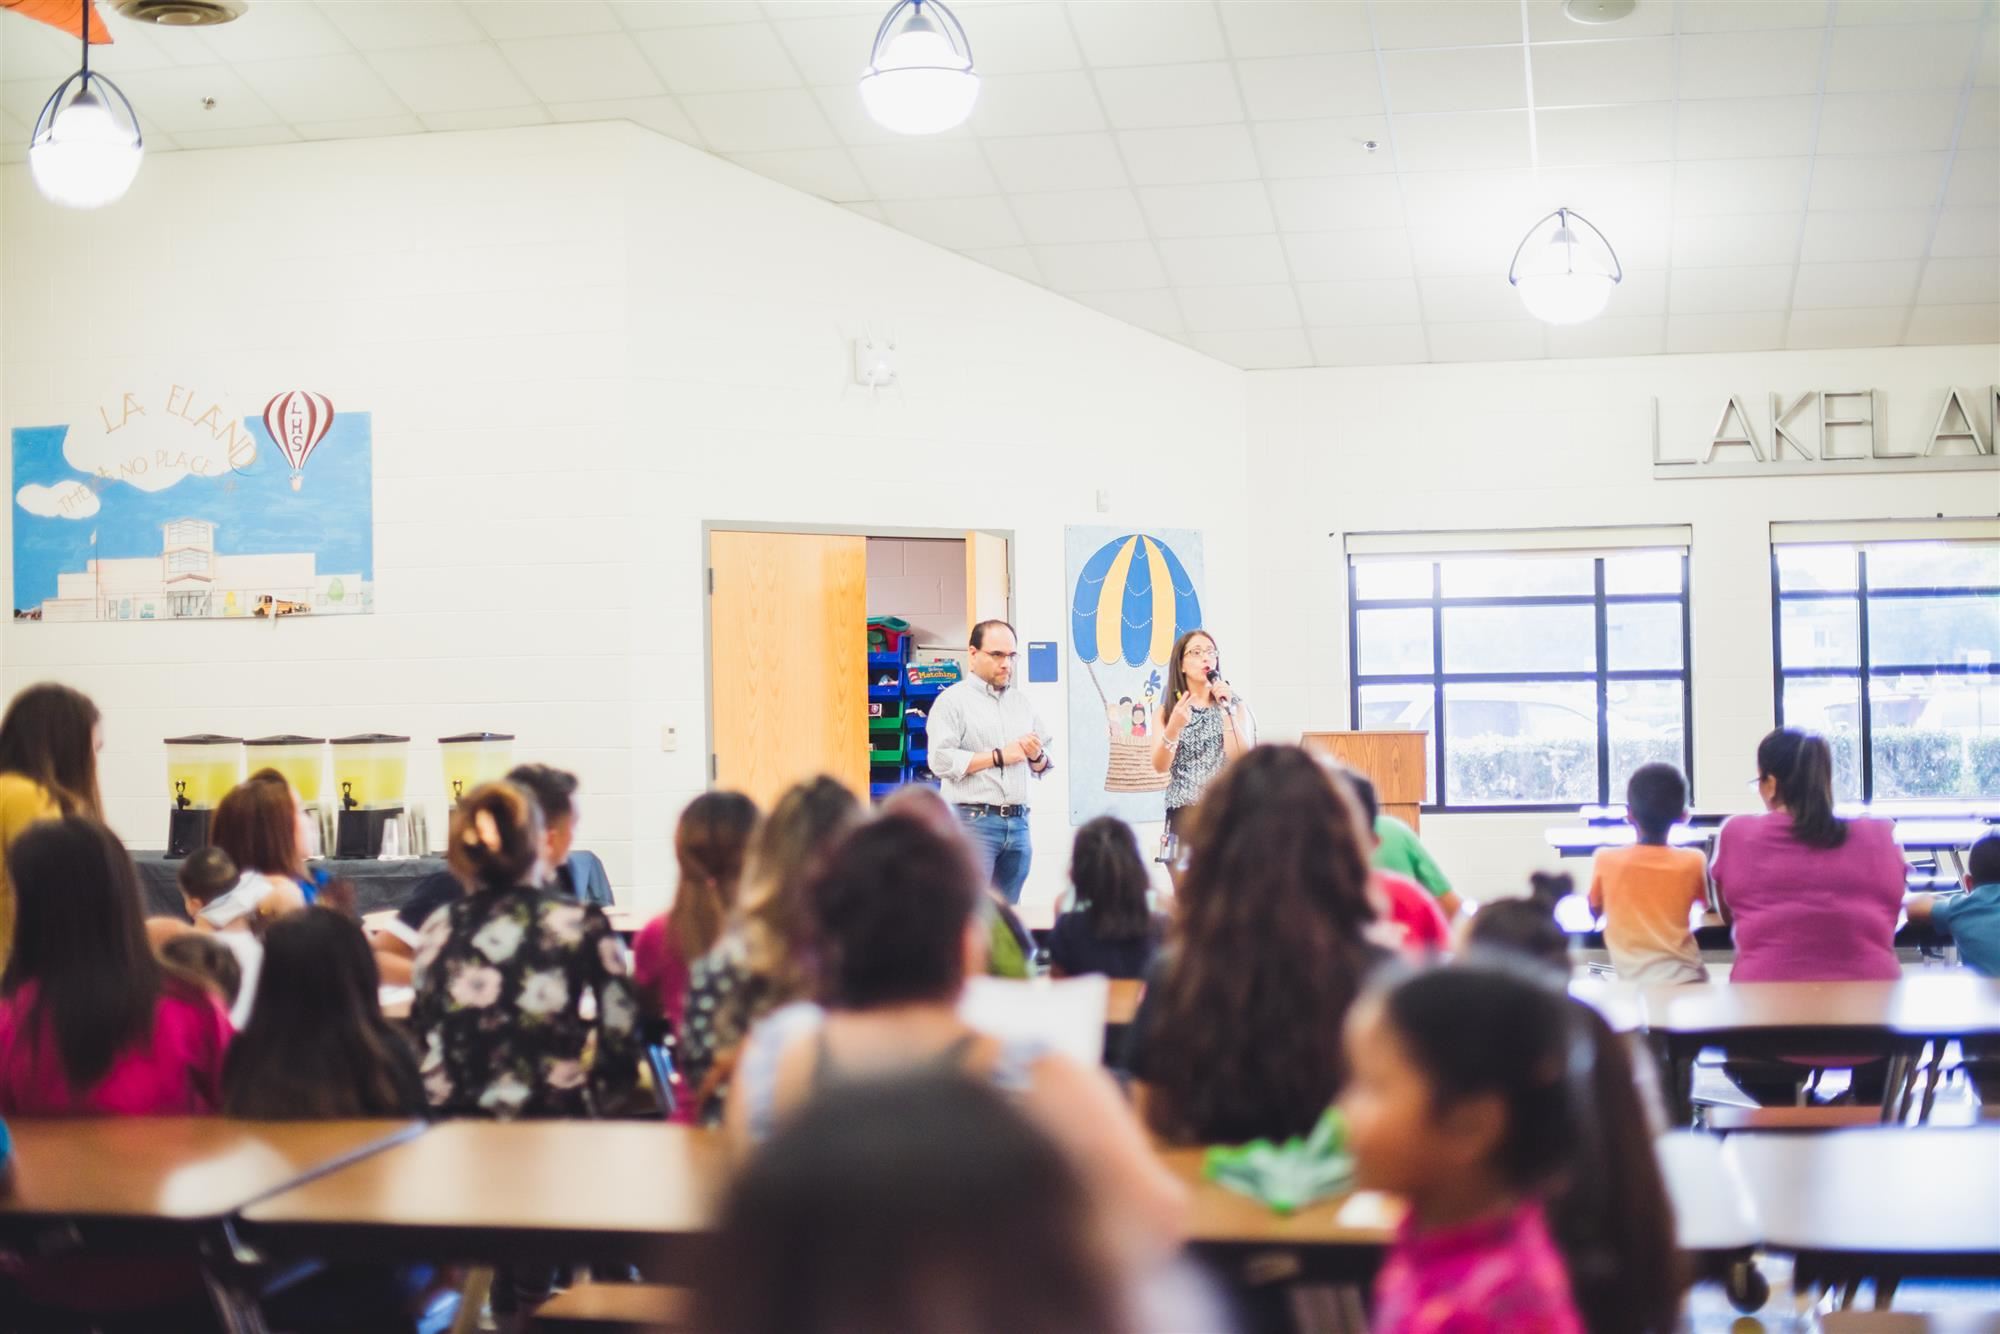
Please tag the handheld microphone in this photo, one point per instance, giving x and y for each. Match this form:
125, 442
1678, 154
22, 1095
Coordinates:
1214, 677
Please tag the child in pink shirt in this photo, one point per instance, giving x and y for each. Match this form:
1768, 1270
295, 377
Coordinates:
1483, 1095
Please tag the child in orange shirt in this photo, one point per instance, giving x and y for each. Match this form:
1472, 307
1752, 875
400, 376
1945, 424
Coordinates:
1647, 891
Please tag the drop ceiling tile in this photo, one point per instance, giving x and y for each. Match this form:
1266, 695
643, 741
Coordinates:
1370, 301
1191, 155
1896, 180
1226, 309
1898, 59
321, 88
38, 52
1745, 127
587, 67
1886, 122
1577, 136
1776, 63
1055, 162
1286, 28
780, 10
1501, 340
1746, 185
506, 20
1736, 240
1598, 73
1547, 23
1840, 237
1463, 248
1338, 204
1462, 141
920, 170
1218, 261
1975, 179
1152, 308
431, 79
1722, 291
1469, 198
1960, 282
1261, 350
639, 15
1626, 193
1408, 23
826, 172
1487, 296
1114, 34
957, 224
825, 51
1337, 147
1879, 327
1469, 78
1936, 326
1877, 283
1101, 266
1014, 259
1610, 336
1080, 215
852, 124
1988, 72
664, 115
1982, 117
759, 122
1377, 345
1310, 87
1060, 102
253, 136
1643, 292
1748, 331
1169, 95
368, 127
1750, 15
489, 118
1967, 231
730, 58
1379, 252
264, 32
171, 98
1908, 11
1018, 39
1237, 208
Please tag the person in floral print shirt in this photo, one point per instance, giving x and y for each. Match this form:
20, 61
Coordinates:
500, 978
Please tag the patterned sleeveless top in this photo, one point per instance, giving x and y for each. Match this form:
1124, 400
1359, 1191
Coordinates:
1197, 758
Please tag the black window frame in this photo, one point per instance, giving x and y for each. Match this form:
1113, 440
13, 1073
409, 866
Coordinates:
1602, 677
1865, 670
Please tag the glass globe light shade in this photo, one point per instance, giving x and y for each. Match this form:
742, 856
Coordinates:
920, 83
87, 158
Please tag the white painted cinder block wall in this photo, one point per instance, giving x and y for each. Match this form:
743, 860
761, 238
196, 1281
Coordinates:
578, 343
1551, 444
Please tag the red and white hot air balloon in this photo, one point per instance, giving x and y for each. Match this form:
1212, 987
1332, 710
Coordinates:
298, 420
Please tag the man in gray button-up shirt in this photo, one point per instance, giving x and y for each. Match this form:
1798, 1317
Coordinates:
986, 742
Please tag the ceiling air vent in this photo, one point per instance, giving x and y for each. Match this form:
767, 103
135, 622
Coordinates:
181, 13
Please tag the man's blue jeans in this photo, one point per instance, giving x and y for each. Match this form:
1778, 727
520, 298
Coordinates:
1002, 840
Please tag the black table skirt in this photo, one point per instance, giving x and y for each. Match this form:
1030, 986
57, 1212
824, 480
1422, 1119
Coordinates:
377, 884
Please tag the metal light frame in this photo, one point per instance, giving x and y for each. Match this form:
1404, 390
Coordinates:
953, 30
45, 123
1565, 220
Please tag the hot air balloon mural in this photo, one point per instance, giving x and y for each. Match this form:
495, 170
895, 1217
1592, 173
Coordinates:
1131, 597
298, 420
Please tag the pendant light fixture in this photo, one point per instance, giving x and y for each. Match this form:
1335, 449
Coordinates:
920, 78
1564, 269
84, 153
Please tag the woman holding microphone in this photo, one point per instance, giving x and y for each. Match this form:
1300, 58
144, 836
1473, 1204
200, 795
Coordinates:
1201, 726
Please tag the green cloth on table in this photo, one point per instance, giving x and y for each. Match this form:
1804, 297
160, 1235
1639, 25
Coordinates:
1289, 1176
1399, 851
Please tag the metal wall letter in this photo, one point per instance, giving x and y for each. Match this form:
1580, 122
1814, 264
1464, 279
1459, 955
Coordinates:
1780, 437
1827, 422
1747, 438
1659, 462
1940, 434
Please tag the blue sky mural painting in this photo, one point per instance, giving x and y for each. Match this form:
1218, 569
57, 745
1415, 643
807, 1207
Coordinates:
165, 508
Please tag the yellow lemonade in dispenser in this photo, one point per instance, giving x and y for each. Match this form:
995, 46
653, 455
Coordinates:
370, 771
472, 758
201, 769
301, 759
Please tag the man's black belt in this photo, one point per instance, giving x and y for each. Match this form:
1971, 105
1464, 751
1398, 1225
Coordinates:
1004, 812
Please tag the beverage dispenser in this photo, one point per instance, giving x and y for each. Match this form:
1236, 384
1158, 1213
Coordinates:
472, 758
302, 760
369, 773
200, 771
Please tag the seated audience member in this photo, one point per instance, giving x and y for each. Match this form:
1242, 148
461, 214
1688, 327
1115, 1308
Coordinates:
1398, 849
761, 962
1973, 918
231, 910
260, 825
49, 739
1238, 1036
1812, 898
501, 975
1113, 929
1524, 928
1508, 1119
1419, 924
710, 842
912, 1204
207, 960
1647, 892
894, 925
1010, 946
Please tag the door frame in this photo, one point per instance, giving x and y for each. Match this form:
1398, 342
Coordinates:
863, 530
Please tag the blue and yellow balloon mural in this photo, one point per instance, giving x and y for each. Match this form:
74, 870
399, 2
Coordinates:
1132, 599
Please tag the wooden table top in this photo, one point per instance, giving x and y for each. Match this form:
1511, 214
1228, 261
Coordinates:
178, 1169
1909, 1322
1939, 1004
487, 1190
1219, 1215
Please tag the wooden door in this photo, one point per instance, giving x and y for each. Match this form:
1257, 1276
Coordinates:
986, 579
787, 658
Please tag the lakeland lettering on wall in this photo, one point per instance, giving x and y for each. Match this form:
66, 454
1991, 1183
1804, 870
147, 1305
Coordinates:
1838, 431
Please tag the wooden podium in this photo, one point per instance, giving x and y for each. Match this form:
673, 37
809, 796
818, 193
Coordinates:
1394, 761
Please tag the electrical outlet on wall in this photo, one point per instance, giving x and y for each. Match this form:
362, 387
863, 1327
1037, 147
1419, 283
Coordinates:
670, 737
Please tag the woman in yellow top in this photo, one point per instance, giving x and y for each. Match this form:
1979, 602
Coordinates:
49, 740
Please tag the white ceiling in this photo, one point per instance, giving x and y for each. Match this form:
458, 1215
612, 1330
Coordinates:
1773, 173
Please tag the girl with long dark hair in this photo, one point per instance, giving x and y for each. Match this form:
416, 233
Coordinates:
1113, 929
260, 824
711, 841
49, 740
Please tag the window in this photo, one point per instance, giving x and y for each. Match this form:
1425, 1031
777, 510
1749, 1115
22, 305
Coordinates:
1891, 650
187, 562
1555, 674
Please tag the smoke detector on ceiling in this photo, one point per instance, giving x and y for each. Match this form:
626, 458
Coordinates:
1598, 11
181, 13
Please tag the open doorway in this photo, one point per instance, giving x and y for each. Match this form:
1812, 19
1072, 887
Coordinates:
795, 686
